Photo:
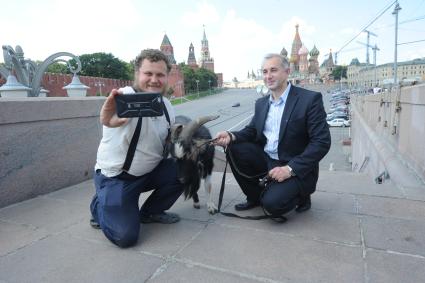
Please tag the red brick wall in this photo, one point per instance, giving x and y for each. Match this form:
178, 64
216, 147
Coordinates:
176, 81
55, 82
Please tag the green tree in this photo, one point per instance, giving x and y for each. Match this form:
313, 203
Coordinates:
189, 77
339, 71
205, 77
105, 65
58, 68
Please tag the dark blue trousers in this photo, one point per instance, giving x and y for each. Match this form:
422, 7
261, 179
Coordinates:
249, 159
115, 205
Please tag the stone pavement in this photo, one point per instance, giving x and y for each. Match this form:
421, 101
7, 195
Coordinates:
356, 231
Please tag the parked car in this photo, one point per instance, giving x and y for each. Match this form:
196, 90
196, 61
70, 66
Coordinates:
338, 123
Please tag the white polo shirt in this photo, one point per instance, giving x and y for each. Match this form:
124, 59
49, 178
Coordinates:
115, 142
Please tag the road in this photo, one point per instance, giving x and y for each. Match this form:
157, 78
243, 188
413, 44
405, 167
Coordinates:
231, 118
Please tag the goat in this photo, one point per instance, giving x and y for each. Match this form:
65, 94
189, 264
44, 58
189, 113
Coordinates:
195, 157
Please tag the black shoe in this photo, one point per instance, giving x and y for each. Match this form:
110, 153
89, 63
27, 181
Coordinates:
246, 205
164, 218
94, 224
303, 205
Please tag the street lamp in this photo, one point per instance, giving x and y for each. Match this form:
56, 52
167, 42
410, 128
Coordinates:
99, 84
397, 8
29, 73
197, 87
12, 88
76, 88
209, 85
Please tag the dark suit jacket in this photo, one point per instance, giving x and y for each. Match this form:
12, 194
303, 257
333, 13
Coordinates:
304, 137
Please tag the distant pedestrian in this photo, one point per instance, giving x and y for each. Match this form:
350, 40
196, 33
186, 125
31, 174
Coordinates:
285, 140
119, 177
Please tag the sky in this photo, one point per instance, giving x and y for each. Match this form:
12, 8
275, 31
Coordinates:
240, 32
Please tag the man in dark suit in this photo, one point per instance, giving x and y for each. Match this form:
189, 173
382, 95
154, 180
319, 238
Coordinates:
285, 140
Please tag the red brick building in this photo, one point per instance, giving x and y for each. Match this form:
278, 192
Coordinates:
175, 78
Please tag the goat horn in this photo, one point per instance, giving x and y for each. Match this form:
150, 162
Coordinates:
193, 125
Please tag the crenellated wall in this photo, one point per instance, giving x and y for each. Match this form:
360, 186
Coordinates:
388, 134
54, 83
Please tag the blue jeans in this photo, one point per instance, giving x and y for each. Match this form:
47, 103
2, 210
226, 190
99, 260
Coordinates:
115, 205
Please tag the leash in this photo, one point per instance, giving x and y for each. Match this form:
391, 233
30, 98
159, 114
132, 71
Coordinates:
206, 142
263, 182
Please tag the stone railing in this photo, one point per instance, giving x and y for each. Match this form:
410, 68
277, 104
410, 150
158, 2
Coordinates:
46, 144
388, 135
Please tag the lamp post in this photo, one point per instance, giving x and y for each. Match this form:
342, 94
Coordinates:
76, 88
99, 84
29, 73
197, 87
209, 85
12, 88
397, 8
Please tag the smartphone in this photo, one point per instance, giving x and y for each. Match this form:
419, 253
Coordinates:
139, 104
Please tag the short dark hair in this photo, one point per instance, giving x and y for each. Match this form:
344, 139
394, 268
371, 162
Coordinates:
153, 55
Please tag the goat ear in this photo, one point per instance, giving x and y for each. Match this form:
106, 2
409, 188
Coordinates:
176, 130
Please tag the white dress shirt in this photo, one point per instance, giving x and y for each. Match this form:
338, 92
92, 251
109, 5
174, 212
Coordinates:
272, 125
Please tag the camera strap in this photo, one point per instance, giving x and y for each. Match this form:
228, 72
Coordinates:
132, 147
135, 139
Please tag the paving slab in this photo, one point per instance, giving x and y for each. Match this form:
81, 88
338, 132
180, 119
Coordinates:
384, 267
398, 235
313, 225
43, 212
391, 207
275, 255
62, 258
355, 183
415, 193
16, 236
336, 202
193, 272
356, 231
166, 240
81, 193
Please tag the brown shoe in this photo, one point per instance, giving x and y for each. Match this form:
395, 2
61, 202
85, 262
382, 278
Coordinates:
246, 205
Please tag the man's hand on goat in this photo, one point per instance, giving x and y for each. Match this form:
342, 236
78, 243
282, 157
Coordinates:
223, 138
108, 113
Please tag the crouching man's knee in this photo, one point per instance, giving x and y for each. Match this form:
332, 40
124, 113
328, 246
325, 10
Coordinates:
123, 239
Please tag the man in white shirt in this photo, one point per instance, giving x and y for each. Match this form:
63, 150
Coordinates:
119, 180
286, 139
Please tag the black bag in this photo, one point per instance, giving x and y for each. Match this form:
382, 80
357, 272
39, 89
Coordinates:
139, 104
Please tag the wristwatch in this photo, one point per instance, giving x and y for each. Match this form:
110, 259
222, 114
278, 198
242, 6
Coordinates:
291, 171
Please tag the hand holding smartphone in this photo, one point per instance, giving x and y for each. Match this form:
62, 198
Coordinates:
139, 104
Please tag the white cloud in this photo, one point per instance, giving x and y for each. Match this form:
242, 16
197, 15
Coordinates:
69, 27
239, 46
205, 14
